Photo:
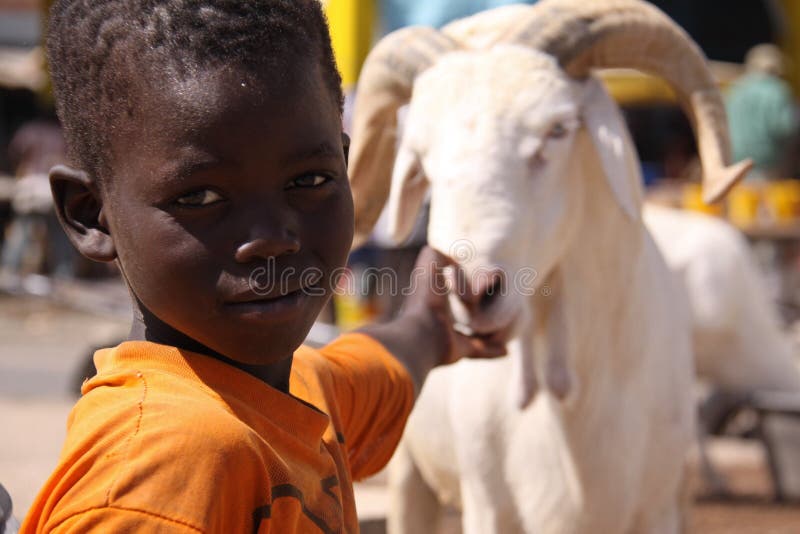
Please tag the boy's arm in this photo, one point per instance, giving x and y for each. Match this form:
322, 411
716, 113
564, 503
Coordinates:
372, 370
422, 337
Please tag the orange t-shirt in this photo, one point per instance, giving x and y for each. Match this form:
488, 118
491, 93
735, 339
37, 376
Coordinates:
165, 440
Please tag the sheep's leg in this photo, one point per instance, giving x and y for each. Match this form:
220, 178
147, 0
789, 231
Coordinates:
716, 483
670, 522
675, 519
413, 506
487, 501
482, 513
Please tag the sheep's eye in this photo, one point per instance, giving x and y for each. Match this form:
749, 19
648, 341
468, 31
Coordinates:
308, 180
557, 131
203, 197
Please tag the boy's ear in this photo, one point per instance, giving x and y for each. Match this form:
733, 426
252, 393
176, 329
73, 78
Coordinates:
79, 207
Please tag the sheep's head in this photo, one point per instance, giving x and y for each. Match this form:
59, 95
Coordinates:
493, 149
494, 153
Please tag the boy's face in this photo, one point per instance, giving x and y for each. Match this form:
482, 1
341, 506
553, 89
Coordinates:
230, 208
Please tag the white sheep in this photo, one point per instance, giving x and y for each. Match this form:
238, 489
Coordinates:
530, 166
737, 339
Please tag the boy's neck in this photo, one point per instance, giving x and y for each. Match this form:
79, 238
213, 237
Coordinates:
148, 327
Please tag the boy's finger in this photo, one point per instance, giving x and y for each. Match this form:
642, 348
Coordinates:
482, 349
473, 347
432, 262
437, 262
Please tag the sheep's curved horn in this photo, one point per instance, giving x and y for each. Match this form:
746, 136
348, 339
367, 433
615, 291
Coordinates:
384, 85
585, 34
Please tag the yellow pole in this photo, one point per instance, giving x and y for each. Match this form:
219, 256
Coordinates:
351, 23
791, 41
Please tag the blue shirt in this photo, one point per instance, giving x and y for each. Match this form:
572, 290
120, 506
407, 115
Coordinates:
761, 116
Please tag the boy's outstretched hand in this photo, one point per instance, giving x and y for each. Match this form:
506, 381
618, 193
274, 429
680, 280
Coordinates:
423, 335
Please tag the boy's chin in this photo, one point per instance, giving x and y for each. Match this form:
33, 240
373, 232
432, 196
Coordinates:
253, 336
269, 346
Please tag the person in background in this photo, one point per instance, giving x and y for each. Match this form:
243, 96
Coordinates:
35, 241
762, 113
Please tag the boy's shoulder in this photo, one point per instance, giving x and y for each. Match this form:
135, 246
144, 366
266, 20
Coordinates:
146, 413
157, 442
137, 400
152, 408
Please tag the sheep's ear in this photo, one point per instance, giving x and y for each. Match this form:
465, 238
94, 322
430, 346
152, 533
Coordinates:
407, 193
617, 153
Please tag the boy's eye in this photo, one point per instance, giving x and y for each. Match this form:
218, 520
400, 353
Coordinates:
199, 198
308, 180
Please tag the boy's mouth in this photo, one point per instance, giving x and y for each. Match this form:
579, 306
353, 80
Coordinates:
273, 305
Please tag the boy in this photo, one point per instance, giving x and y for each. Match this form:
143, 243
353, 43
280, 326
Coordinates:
210, 166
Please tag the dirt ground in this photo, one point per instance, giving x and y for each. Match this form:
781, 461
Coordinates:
750, 508
745, 518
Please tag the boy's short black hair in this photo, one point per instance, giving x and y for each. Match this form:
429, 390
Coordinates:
97, 48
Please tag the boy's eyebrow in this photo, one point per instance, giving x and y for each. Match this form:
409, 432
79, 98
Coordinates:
183, 168
175, 171
322, 150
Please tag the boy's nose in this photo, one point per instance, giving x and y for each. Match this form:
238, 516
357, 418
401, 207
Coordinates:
264, 247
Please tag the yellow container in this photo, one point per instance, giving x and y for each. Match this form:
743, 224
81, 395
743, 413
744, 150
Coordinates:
744, 201
692, 199
782, 199
351, 305
351, 312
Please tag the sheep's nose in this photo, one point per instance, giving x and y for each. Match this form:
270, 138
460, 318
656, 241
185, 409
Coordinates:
484, 289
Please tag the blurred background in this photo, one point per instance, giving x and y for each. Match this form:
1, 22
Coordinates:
55, 307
